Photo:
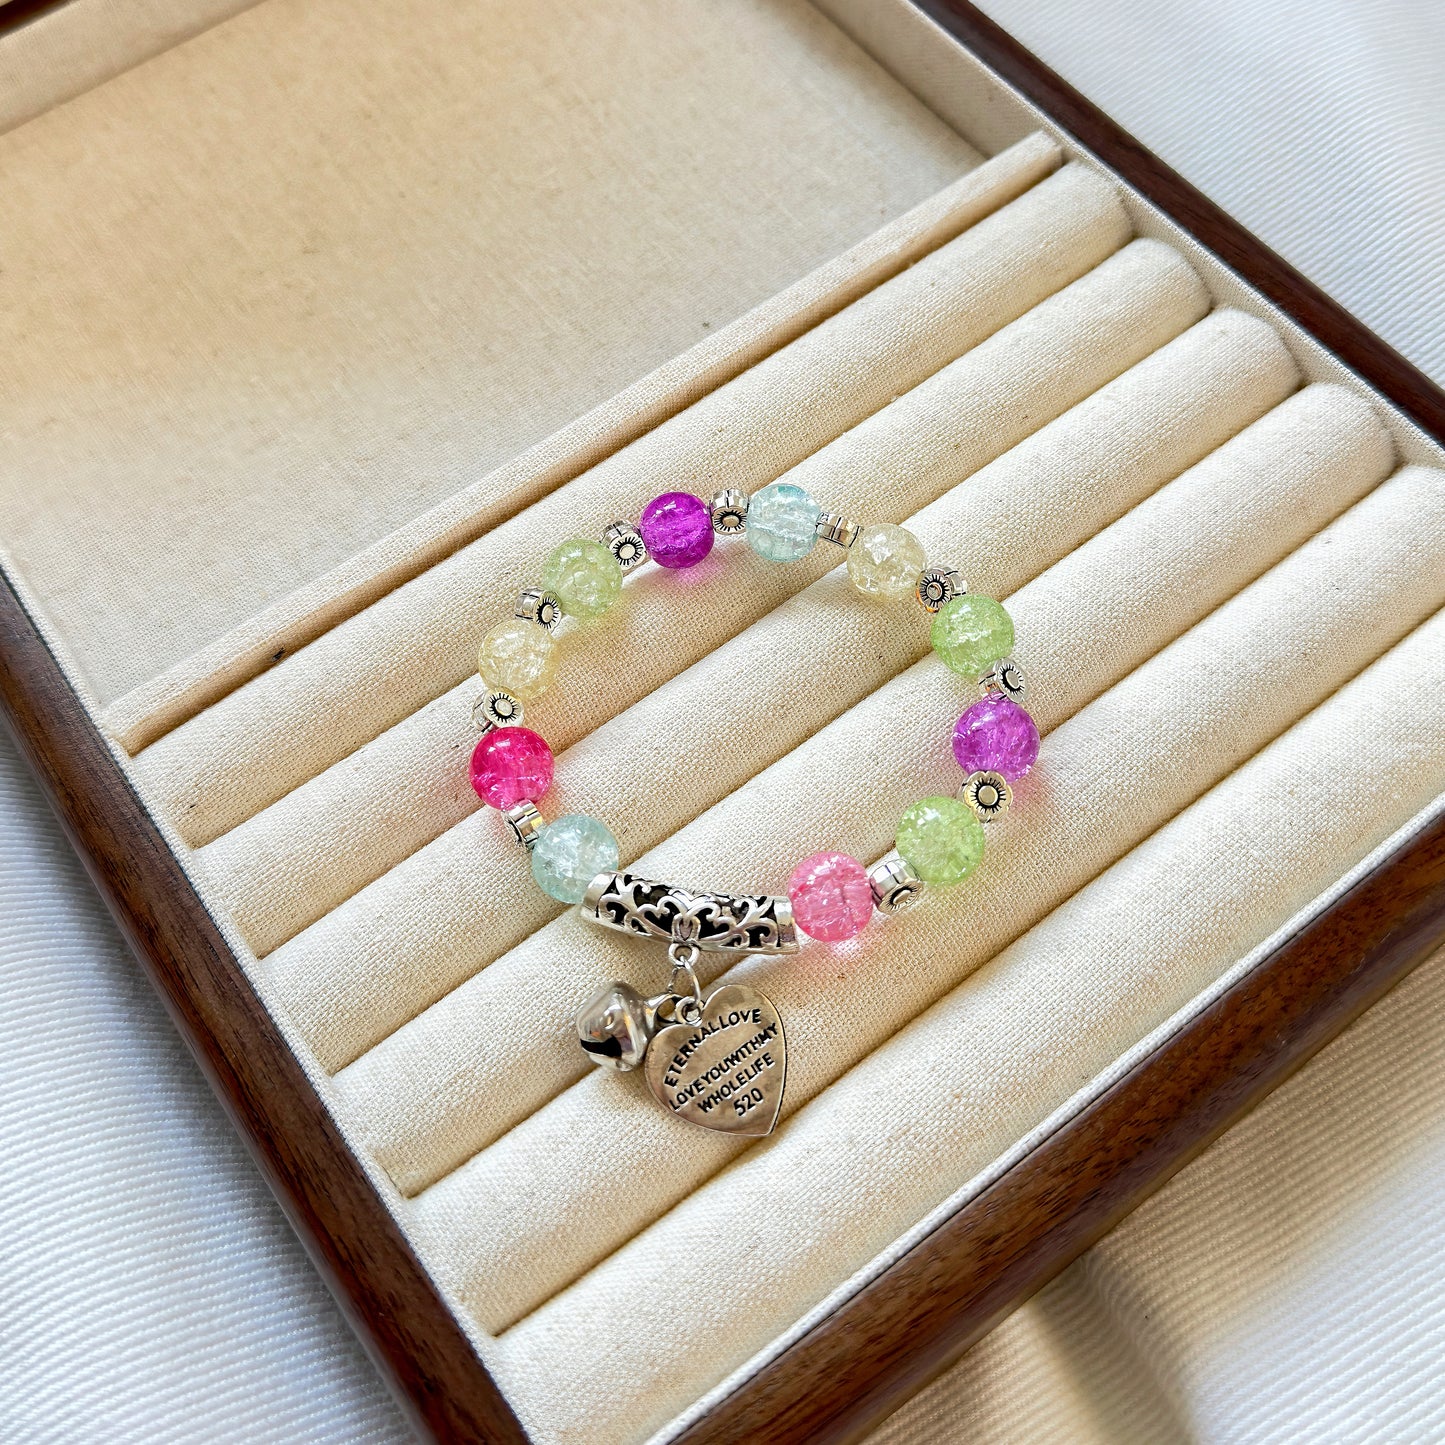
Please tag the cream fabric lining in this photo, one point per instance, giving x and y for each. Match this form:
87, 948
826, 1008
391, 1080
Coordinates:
402, 941
1202, 558
281, 288
375, 807
1056, 409
950, 1092
151, 710
270, 736
417, 1094
795, 629
69, 49
1104, 308
1350, 1392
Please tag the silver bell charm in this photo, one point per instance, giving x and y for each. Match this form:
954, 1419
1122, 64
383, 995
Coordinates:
616, 1025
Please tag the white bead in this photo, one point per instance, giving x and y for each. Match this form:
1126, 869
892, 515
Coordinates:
518, 657
885, 561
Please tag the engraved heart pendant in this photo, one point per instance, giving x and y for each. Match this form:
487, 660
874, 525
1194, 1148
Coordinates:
719, 1062
726, 1069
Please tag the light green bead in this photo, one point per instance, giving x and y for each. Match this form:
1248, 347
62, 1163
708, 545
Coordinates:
971, 633
518, 657
782, 522
941, 839
585, 577
885, 561
570, 853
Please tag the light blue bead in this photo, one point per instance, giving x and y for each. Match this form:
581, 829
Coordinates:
782, 522
570, 853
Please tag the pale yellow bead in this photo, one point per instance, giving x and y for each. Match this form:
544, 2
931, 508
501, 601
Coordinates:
886, 560
518, 657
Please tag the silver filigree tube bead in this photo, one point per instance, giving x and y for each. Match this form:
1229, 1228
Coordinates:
895, 884
729, 511
710, 921
837, 529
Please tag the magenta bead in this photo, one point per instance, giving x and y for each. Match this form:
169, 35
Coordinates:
511, 765
996, 736
832, 898
677, 528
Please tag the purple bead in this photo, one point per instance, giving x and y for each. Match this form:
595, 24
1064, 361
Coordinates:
677, 528
996, 736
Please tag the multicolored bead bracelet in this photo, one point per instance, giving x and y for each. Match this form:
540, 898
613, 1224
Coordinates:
720, 1061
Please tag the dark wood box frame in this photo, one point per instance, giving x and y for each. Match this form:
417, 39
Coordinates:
919, 1315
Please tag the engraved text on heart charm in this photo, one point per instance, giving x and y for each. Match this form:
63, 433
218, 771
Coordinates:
727, 1070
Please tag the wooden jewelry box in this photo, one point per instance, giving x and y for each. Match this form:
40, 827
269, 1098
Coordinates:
326, 322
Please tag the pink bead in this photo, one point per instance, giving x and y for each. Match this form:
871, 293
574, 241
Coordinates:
996, 736
832, 898
511, 765
677, 528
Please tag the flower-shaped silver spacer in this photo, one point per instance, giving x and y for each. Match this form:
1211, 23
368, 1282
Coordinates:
1006, 679
729, 512
937, 585
988, 794
525, 823
831, 527
536, 605
625, 543
496, 709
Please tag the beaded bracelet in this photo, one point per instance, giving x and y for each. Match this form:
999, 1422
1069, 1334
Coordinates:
720, 1061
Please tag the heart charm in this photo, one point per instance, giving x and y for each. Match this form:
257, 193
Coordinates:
727, 1070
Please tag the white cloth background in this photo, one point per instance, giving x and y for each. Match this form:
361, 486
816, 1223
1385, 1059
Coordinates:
1284, 1287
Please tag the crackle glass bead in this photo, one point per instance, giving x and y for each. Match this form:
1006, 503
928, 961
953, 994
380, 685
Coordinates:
971, 633
885, 561
570, 853
677, 528
518, 657
832, 897
782, 522
585, 577
996, 735
941, 839
511, 766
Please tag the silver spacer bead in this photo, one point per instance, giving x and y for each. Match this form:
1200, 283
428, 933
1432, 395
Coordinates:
497, 709
525, 823
535, 605
894, 883
1006, 679
988, 794
937, 585
625, 543
729, 511
838, 530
